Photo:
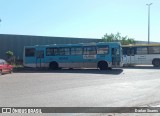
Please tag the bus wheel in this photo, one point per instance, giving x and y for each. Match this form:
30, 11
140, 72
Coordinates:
102, 65
53, 65
156, 62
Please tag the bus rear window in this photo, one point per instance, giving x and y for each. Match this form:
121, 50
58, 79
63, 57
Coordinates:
29, 52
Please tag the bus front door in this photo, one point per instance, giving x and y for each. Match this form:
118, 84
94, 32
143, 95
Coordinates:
40, 59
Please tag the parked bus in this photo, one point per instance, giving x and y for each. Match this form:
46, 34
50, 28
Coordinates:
85, 55
141, 54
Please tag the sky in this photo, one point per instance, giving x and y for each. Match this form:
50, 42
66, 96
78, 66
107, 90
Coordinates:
81, 18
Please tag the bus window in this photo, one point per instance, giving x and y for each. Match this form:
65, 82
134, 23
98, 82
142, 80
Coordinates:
128, 52
154, 50
64, 51
30, 52
76, 51
51, 51
132, 52
124, 51
102, 50
142, 50
40, 54
117, 52
89, 50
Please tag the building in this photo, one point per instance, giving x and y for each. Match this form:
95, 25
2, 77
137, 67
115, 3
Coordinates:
16, 43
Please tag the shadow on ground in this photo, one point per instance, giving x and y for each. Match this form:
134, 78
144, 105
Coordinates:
82, 71
141, 67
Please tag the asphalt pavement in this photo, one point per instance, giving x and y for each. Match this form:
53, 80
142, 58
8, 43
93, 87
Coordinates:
128, 87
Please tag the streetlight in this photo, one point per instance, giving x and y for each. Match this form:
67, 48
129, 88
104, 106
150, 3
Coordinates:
149, 21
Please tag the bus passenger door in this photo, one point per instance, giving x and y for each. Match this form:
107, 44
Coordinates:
40, 62
115, 57
130, 56
124, 59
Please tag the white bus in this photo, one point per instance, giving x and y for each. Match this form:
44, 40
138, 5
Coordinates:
141, 55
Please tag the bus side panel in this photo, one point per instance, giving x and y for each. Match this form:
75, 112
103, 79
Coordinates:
72, 61
76, 61
66, 61
150, 57
30, 62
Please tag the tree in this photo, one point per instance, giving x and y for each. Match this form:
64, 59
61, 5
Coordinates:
9, 54
10, 57
110, 38
118, 38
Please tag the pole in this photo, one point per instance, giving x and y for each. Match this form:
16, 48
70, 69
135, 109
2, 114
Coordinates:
149, 22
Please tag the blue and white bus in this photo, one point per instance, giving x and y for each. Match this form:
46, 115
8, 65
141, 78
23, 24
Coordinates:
84, 55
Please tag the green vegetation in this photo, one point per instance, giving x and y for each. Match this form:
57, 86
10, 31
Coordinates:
10, 57
9, 54
118, 38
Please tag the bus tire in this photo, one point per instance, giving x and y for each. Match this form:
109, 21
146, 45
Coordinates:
102, 65
53, 65
156, 62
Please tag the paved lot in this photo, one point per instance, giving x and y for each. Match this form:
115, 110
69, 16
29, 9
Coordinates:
81, 88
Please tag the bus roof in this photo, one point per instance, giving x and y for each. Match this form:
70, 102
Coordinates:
79, 44
140, 45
